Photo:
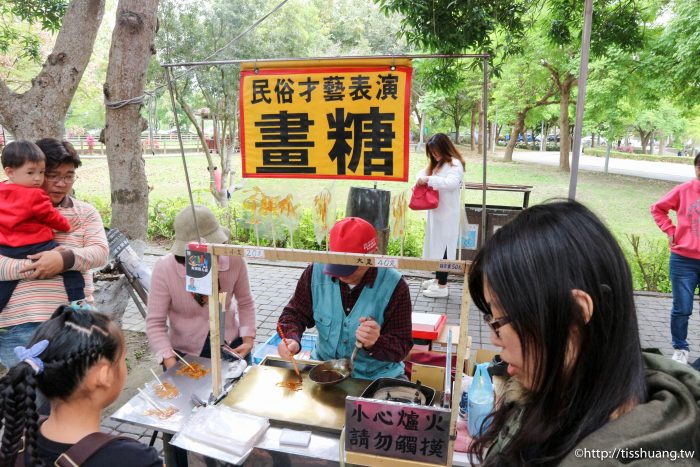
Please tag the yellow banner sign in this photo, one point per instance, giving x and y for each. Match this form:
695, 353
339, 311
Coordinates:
329, 121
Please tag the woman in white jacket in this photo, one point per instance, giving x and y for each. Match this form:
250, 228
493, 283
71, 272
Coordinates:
444, 173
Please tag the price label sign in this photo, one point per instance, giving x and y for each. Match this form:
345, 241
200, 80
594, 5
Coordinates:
254, 253
450, 267
386, 262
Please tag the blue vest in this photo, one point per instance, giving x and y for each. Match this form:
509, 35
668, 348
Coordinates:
336, 331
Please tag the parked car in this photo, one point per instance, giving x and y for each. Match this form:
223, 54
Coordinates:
520, 138
553, 138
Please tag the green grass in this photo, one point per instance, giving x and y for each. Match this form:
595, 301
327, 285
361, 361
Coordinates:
623, 202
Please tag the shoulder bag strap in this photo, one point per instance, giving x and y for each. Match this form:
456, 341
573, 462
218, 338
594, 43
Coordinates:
85, 448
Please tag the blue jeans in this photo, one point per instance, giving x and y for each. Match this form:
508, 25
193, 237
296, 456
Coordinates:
11, 337
685, 276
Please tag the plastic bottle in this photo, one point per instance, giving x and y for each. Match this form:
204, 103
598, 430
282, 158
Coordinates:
480, 402
464, 400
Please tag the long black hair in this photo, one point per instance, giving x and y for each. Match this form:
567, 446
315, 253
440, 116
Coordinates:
77, 340
532, 265
441, 144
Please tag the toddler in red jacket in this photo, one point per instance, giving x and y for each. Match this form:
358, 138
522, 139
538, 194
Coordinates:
27, 216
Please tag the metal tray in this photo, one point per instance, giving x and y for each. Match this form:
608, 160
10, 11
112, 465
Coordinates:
314, 407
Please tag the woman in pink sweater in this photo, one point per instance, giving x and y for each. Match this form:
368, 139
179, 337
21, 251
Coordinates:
178, 320
684, 265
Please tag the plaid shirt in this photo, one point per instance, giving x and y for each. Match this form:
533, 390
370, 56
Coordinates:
395, 338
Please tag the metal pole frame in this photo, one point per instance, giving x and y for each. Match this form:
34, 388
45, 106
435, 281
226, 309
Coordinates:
225, 249
321, 59
581, 98
484, 146
182, 149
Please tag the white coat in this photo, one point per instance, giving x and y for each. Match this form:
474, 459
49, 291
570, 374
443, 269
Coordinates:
442, 226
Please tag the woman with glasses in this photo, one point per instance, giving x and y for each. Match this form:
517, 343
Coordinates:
40, 289
556, 290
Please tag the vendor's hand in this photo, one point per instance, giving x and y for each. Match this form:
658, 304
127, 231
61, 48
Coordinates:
367, 332
45, 264
293, 348
671, 241
245, 347
169, 362
422, 181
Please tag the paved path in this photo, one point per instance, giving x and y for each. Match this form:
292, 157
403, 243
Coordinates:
645, 169
273, 284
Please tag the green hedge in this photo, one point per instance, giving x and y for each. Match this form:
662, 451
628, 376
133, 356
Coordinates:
638, 157
648, 258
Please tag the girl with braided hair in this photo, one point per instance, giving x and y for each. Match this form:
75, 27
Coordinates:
77, 360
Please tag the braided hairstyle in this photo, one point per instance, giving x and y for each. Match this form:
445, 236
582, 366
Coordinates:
77, 340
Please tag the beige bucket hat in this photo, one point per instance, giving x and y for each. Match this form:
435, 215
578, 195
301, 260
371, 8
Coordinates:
186, 232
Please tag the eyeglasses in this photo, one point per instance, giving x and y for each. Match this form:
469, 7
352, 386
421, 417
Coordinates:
65, 178
496, 324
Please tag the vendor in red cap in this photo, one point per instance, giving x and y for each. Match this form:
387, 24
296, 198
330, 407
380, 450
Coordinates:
348, 303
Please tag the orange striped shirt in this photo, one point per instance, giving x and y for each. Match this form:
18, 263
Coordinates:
34, 300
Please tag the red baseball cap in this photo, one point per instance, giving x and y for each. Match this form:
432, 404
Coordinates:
350, 235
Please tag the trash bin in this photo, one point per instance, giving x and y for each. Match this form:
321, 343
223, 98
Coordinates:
371, 205
496, 217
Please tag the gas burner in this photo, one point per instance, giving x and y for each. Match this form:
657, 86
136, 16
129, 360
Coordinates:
396, 390
400, 394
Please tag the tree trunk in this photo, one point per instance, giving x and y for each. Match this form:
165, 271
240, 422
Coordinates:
662, 144
129, 55
517, 129
472, 129
644, 139
490, 125
41, 111
564, 137
482, 130
421, 123
191, 117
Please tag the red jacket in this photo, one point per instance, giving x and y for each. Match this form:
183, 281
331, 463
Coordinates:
27, 216
685, 200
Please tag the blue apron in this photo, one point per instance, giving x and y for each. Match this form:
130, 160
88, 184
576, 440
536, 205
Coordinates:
336, 331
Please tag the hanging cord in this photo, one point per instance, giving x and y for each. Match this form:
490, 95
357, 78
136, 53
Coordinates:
182, 151
139, 100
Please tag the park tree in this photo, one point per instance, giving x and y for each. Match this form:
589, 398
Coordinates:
419, 90
677, 52
451, 27
210, 29
130, 52
617, 26
454, 106
499, 29
613, 80
523, 85
40, 110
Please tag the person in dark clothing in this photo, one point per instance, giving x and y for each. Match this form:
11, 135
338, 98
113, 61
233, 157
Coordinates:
556, 290
77, 359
